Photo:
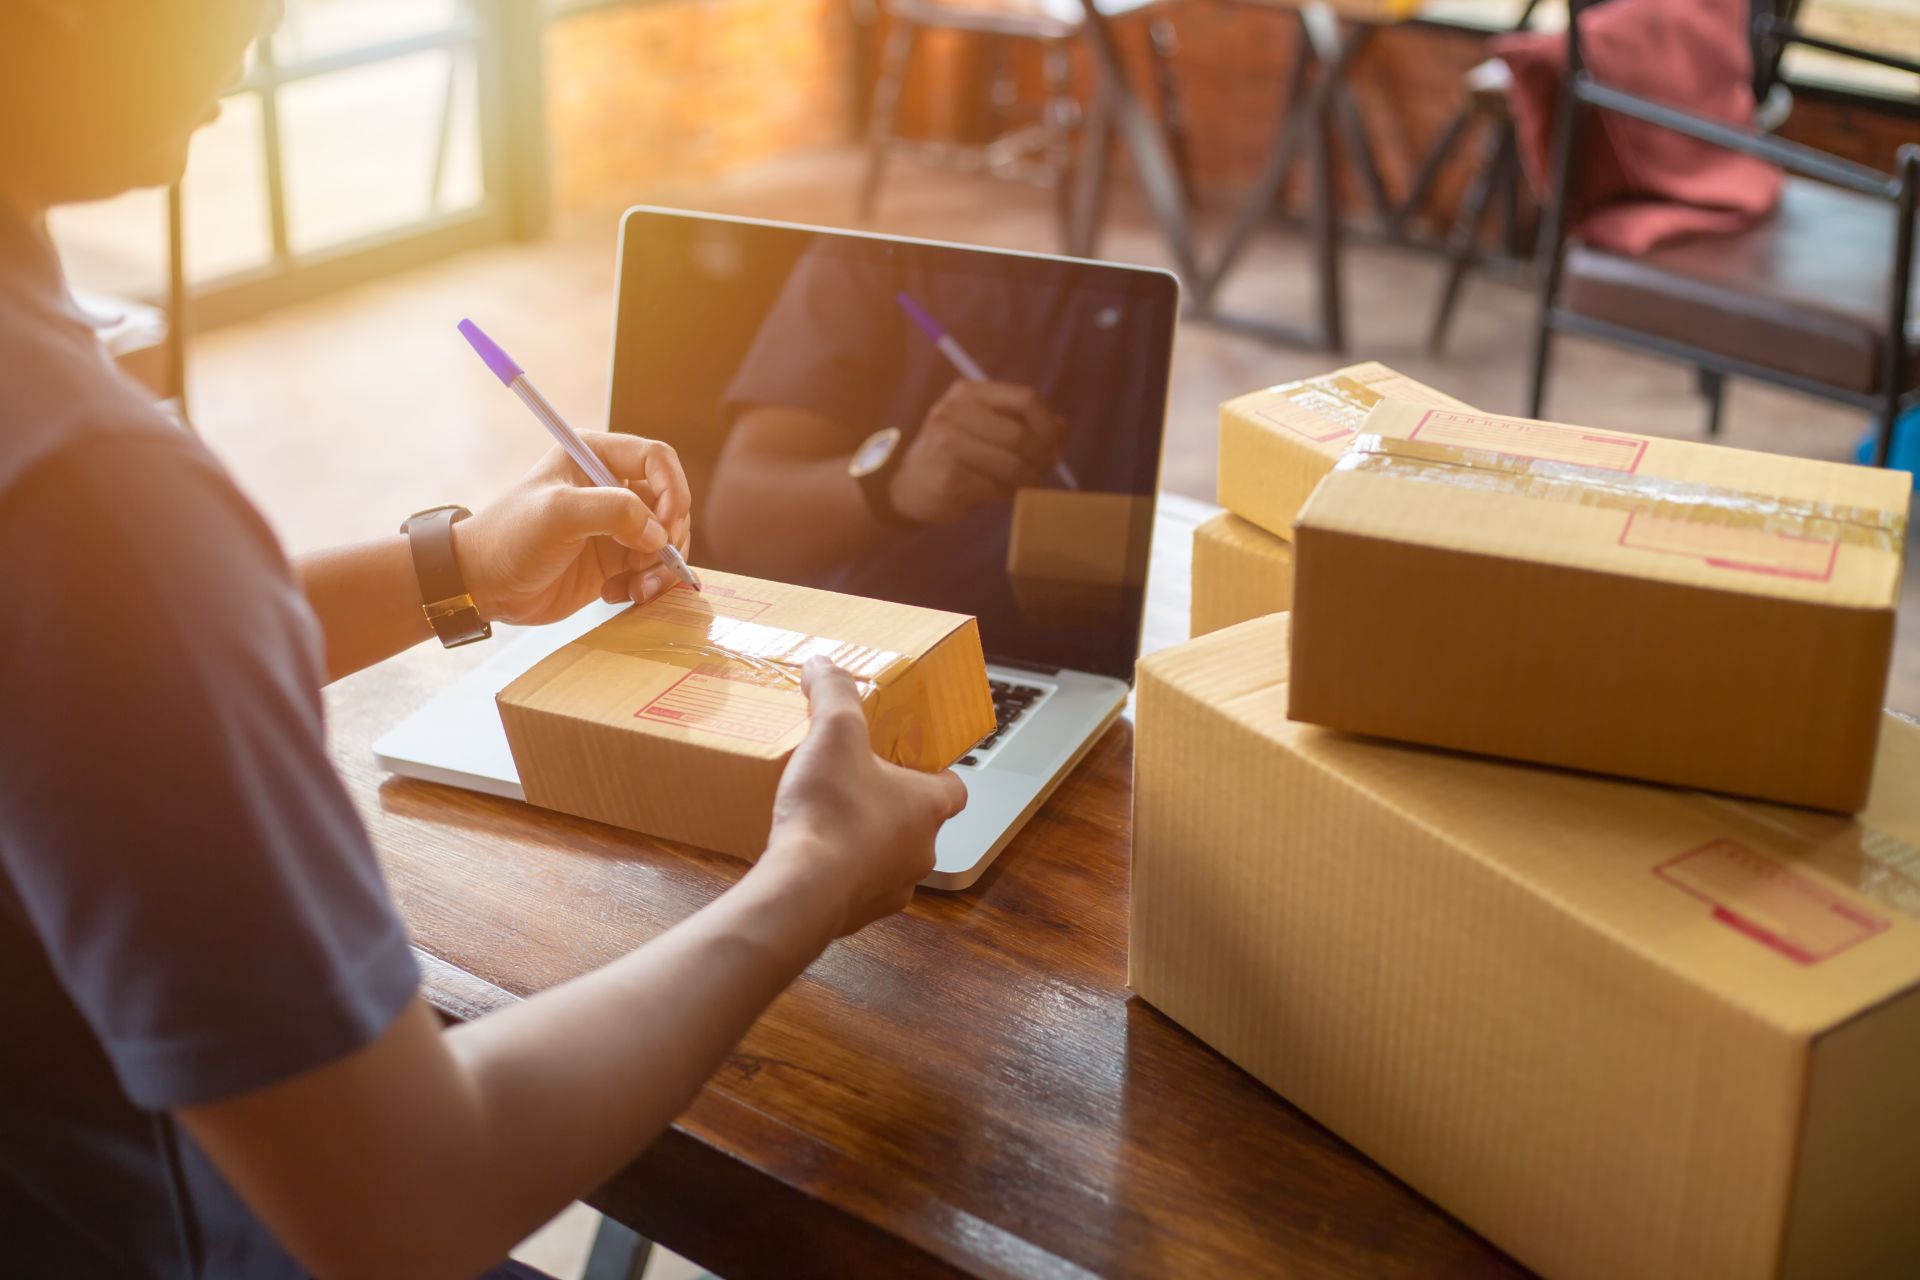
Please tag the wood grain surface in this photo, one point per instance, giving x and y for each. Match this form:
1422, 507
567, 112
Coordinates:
964, 1089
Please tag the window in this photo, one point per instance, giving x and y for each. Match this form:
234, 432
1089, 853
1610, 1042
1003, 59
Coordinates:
367, 135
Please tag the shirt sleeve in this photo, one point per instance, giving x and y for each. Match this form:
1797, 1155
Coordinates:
170, 824
823, 347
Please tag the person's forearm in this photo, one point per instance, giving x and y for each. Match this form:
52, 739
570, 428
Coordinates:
577, 1081
368, 602
785, 515
464, 1141
790, 520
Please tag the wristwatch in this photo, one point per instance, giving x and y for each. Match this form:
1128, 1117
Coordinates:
873, 465
443, 592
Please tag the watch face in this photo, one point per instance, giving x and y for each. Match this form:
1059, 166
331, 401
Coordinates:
874, 452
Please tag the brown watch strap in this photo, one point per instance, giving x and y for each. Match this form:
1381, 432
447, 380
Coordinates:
448, 605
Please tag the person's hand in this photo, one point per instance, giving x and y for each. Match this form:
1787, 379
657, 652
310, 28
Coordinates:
847, 821
555, 540
980, 442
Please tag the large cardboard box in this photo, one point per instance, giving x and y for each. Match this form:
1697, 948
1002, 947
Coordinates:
1652, 608
676, 718
1620, 1030
1276, 444
1240, 571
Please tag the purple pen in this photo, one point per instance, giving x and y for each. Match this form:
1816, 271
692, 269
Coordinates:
514, 378
957, 356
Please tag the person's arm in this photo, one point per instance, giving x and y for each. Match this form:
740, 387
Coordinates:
485, 1131
549, 545
783, 505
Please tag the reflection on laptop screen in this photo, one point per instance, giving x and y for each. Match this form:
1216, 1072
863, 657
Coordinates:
773, 357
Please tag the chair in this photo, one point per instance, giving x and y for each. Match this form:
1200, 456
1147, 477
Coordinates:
1041, 152
1815, 298
1489, 107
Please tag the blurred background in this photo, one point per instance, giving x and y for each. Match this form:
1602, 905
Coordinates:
388, 167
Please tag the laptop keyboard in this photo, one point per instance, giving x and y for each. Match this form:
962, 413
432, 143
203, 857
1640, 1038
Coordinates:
1010, 702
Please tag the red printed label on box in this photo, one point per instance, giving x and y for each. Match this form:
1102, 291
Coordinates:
713, 701
1764, 898
1542, 441
1780, 555
686, 607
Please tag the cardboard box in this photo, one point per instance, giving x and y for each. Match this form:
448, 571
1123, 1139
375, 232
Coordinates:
1074, 558
1619, 1030
1240, 571
1651, 608
1277, 444
676, 718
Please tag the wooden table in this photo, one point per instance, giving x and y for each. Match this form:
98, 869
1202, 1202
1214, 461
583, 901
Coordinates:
966, 1089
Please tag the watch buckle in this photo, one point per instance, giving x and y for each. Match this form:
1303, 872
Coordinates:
457, 617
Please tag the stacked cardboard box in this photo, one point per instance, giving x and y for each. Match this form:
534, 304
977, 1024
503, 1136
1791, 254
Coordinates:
1618, 1028
1275, 446
1658, 609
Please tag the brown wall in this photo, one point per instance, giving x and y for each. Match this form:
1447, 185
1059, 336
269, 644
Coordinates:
643, 96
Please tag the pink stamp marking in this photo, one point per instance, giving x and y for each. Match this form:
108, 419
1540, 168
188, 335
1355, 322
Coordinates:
1762, 897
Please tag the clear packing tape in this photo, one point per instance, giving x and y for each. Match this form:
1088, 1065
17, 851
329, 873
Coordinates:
1875, 864
1334, 397
671, 632
1681, 500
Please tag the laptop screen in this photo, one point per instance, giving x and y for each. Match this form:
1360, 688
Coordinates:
1008, 407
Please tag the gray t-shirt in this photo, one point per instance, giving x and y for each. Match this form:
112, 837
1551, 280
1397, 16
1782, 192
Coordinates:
189, 905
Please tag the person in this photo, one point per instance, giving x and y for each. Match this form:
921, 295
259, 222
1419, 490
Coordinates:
841, 379
217, 1061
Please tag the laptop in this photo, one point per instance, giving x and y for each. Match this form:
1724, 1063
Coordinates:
780, 359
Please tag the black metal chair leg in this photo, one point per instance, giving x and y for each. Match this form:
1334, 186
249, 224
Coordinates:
1293, 120
1089, 185
1324, 221
1508, 194
1164, 43
1352, 125
1429, 171
1464, 241
886, 102
619, 1253
1146, 145
1894, 368
1553, 218
1713, 386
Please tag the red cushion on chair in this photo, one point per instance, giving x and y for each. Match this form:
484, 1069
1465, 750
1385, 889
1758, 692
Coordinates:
1645, 185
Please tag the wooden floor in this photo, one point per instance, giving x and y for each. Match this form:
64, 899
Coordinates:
342, 416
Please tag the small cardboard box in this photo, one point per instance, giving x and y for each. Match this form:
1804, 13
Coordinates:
1276, 444
1073, 557
1240, 571
1652, 608
676, 718
1619, 1030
